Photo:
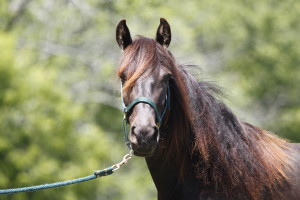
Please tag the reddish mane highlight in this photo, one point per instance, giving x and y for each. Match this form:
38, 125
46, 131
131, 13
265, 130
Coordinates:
235, 158
136, 59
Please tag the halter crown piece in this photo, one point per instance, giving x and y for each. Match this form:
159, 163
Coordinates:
159, 116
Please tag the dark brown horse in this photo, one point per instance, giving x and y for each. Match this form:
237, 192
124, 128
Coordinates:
199, 149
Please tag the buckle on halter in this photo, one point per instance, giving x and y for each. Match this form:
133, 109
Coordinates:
158, 124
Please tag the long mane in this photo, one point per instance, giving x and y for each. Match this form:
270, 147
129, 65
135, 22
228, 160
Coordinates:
231, 157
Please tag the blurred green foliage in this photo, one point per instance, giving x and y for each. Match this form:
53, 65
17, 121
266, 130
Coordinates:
59, 95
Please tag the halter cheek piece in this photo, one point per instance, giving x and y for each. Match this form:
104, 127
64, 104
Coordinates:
158, 116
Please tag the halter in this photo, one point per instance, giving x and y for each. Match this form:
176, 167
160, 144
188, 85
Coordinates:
158, 116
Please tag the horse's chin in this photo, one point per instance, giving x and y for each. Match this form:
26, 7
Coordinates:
141, 152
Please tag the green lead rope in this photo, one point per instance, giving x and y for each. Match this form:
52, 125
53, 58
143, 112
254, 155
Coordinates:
97, 174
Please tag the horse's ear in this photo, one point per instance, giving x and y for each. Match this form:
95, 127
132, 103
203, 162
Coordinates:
163, 34
123, 35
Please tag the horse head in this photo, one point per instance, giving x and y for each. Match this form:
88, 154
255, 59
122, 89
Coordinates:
145, 74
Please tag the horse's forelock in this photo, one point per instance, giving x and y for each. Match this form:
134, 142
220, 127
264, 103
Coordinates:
144, 54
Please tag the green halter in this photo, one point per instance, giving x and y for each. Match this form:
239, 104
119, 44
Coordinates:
159, 116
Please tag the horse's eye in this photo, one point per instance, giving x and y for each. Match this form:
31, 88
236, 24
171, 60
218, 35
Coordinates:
123, 79
167, 77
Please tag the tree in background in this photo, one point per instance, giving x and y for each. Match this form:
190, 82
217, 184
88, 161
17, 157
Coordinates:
59, 96
254, 46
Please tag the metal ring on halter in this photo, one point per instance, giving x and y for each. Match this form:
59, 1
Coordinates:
124, 161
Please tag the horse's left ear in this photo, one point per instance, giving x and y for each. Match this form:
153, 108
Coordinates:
123, 36
163, 34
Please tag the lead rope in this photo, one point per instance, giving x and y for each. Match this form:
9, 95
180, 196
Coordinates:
97, 174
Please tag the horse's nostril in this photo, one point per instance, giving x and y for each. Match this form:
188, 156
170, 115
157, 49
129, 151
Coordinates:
156, 135
145, 133
133, 130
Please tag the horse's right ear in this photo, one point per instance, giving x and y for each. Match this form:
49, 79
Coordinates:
123, 35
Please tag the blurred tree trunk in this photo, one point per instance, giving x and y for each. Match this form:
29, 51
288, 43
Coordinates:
17, 15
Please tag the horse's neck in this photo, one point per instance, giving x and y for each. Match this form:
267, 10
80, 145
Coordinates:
167, 182
164, 177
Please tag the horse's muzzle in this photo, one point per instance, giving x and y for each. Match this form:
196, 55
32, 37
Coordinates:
144, 140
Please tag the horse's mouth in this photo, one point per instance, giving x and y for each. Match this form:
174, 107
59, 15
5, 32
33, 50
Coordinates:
143, 152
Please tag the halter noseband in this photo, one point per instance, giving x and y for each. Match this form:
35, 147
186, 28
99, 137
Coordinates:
159, 116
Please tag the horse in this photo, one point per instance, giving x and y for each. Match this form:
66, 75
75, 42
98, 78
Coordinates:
195, 147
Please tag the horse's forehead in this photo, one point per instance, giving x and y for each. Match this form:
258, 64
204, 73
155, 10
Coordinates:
153, 72
146, 79
150, 78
